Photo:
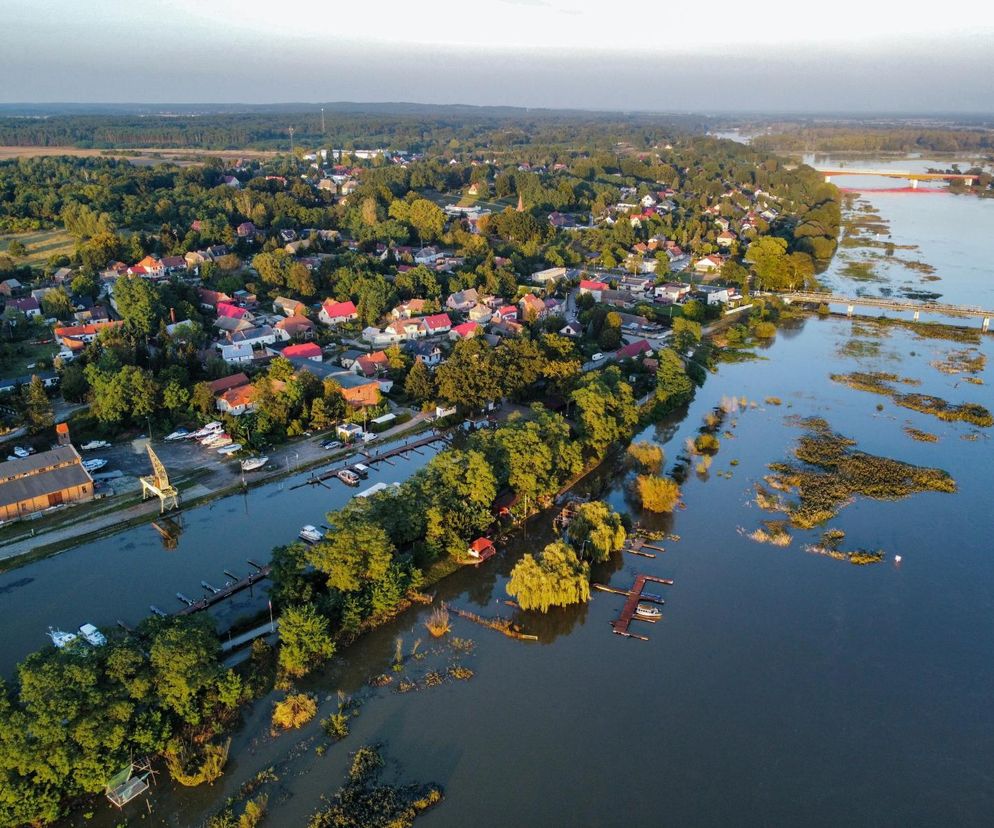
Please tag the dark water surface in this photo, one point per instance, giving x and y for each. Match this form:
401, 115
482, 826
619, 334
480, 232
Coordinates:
780, 688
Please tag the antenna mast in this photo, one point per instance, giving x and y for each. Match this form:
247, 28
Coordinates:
322, 120
290, 130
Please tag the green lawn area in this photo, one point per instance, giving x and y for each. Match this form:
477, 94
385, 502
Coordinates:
15, 357
40, 245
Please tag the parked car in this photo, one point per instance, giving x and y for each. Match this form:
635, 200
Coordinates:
331, 444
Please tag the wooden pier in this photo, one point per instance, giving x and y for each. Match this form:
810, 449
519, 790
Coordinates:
638, 546
623, 621
369, 459
225, 592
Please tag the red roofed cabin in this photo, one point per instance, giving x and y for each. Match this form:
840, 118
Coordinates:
593, 288
306, 350
481, 549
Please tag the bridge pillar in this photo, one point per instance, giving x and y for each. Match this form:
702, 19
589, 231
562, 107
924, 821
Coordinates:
917, 314
914, 183
849, 310
987, 324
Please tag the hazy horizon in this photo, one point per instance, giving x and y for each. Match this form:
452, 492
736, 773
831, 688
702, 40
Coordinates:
520, 53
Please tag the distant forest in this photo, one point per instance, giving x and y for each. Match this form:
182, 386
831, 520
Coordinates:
398, 127
854, 138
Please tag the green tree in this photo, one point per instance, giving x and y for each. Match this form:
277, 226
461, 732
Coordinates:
354, 554
420, 384
606, 409
184, 663
557, 578
138, 305
305, 640
37, 407
56, 303
597, 530
426, 218
17, 249
673, 386
686, 333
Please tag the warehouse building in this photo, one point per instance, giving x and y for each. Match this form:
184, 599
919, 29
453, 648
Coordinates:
43, 480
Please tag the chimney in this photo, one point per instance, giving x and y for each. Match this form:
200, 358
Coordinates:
172, 315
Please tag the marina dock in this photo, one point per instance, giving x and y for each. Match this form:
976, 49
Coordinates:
225, 592
370, 459
621, 624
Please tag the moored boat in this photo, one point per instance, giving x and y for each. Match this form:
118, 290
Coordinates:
93, 635
648, 611
178, 434
94, 465
311, 534
230, 449
253, 463
348, 477
61, 638
93, 445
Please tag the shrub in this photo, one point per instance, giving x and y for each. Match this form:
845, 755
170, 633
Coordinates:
706, 444
437, 623
658, 494
648, 455
294, 711
765, 330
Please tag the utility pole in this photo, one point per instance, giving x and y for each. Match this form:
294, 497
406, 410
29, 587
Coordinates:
290, 130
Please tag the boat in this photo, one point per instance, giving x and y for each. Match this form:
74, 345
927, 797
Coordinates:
361, 470
93, 445
311, 534
231, 449
348, 477
61, 639
156, 611
178, 434
648, 611
21, 452
215, 440
93, 635
94, 465
254, 463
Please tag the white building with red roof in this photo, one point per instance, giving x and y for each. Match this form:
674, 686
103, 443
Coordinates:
335, 313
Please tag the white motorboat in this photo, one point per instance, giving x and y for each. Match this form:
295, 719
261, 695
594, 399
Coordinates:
348, 477
21, 452
93, 635
60, 638
220, 441
211, 439
253, 463
95, 464
93, 445
648, 611
311, 534
178, 434
231, 449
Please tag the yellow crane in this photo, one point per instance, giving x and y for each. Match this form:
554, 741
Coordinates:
157, 484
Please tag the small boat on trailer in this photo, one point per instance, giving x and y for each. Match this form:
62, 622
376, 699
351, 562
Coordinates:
253, 463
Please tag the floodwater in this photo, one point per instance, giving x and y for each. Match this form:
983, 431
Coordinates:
120, 576
781, 687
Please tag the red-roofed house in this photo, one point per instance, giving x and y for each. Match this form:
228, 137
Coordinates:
306, 350
237, 401
482, 549
437, 323
467, 330
334, 313
230, 311
369, 365
633, 350
75, 337
219, 386
508, 313
593, 288
153, 267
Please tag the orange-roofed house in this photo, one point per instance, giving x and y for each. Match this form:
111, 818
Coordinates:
76, 337
369, 365
532, 307
237, 401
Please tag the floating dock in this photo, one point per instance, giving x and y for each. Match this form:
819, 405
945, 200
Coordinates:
623, 621
381, 457
227, 590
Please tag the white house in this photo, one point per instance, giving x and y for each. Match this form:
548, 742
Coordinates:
236, 353
334, 313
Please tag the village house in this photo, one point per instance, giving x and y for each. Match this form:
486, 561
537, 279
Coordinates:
236, 353
571, 329
304, 350
289, 307
294, 327
173, 264
463, 300
633, 350
245, 230
219, 386
507, 313
412, 307
232, 311
532, 307
9, 287
467, 330
371, 365
709, 264
548, 276
335, 313
28, 305
257, 337
236, 401
209, 299
595, 289
427, 352
357, 391
481, 314
230, 324
438, 323
77, 337
671, 293
726, 239
41, 481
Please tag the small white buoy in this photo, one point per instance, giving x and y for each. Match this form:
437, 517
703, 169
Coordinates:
897, 559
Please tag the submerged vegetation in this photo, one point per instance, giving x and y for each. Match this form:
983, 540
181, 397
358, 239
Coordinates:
881, 383
364, 801
831, 473
649, 456
554, 578
657, 494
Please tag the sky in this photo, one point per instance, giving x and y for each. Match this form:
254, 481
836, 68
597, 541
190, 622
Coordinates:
671, 55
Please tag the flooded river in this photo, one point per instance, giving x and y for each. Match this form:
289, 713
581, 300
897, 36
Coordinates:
781, 687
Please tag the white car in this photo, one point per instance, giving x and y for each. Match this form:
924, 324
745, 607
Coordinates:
21, 452
597, 357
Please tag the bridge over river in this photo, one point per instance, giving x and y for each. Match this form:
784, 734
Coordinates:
913, 177
884, 303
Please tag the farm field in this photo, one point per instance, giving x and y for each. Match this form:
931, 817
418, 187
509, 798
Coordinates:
40, 245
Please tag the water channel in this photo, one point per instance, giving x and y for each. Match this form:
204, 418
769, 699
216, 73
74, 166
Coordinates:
780, 687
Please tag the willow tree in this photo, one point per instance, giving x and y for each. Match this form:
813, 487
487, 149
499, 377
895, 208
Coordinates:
556, 578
